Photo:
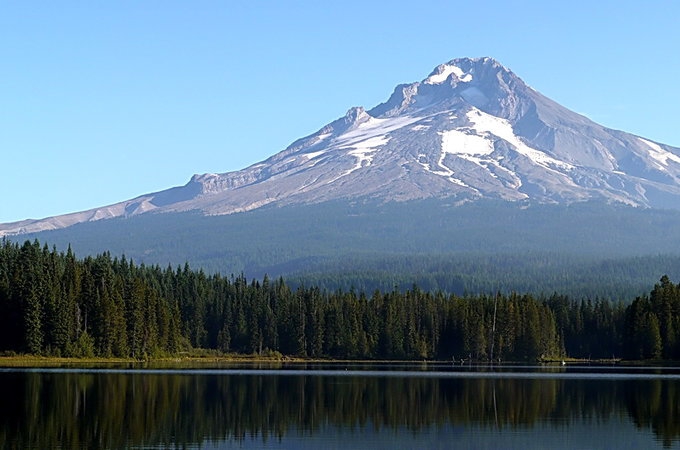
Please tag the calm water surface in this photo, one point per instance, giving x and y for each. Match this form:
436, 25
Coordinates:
341, 407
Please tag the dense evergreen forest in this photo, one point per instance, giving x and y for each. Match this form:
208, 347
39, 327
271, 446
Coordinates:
52, 303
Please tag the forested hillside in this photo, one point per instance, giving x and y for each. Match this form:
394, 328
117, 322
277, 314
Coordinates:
52, 303
581, 250
615, 279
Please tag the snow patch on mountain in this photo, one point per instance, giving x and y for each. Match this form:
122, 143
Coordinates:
371, 128
462, 143
442, 169
659, 154
444, 71
313, 155
501, 128
322, 137
366, 138
364, 151
446, 172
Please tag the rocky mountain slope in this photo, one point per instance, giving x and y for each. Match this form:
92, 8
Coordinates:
470, 130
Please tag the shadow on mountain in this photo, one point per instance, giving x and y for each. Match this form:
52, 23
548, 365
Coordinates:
177, 194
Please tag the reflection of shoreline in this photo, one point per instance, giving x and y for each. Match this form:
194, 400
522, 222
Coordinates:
44, 410
191, 362
382, 369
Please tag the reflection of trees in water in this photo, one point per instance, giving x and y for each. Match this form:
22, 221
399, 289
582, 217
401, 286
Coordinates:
118, 410
655, 404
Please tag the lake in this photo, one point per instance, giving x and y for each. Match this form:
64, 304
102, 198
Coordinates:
341, 406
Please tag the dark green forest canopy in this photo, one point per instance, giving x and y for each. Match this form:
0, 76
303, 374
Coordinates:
52, 303
583, 250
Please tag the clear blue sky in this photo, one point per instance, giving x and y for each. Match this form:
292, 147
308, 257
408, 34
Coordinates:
104, 101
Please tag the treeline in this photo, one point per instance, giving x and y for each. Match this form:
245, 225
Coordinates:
52, 303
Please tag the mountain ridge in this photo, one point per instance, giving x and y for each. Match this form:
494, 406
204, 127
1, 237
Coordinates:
470, 130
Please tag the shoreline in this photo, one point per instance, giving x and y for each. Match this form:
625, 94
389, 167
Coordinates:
199, 361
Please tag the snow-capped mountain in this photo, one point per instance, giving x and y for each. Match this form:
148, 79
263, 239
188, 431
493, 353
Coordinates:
470, 130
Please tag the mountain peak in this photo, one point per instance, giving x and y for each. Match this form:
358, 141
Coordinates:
462, 69
481, 82
444, 71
